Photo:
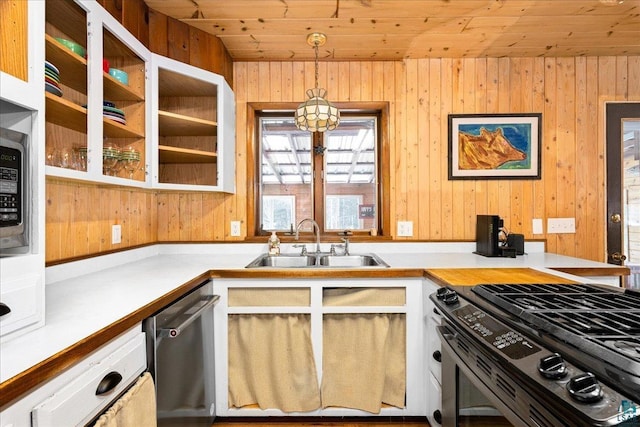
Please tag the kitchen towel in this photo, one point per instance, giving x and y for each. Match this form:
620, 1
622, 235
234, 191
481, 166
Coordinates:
136, 408
363, 362
271, 362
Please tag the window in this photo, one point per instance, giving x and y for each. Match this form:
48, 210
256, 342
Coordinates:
332, 177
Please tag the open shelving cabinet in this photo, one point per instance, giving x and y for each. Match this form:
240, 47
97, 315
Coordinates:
193, 125
76, 129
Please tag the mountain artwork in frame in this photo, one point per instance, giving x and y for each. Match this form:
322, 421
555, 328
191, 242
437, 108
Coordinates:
494, 146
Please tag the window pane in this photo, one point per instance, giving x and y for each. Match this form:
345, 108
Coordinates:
285, 173
278, 212
351, 175
345, 212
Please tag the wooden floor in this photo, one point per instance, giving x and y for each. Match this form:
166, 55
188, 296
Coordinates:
332, 422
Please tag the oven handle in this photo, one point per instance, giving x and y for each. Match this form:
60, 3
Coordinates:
446, 333
175, 331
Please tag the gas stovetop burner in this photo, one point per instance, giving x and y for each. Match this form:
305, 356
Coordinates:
627, 346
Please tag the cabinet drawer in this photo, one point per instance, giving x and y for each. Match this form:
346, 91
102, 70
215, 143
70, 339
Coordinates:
25, 297
77, 403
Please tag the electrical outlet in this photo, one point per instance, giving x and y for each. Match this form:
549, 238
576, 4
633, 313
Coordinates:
405, 228
116, 234
561, 225
235, 228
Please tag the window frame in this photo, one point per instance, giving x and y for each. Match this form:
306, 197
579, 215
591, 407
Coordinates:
381, 109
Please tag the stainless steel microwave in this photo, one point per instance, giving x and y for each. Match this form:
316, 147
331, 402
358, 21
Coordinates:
13, 192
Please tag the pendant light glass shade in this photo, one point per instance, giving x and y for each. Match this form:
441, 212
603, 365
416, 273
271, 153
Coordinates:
317, 114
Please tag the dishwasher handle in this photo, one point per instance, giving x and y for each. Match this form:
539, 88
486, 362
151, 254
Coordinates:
175, 331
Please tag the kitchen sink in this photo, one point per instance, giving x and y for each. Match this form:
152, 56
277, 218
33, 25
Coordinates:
368, 260
322, 260
283, 261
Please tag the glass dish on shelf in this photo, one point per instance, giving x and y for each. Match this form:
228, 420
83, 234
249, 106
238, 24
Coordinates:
130, 159
110, 158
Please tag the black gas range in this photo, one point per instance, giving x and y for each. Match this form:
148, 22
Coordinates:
545, 354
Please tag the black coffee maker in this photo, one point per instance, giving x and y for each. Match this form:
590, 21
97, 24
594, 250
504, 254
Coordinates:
488, 235
488, 243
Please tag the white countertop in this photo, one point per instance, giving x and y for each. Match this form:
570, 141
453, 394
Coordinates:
86, 296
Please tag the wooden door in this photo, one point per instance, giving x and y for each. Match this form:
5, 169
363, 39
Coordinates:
623, 186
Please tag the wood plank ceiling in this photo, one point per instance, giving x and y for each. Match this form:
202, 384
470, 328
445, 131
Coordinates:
272, 30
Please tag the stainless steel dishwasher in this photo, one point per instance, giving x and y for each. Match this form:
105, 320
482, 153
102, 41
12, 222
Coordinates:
180, 358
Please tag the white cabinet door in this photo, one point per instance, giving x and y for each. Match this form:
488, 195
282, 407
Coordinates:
24, 297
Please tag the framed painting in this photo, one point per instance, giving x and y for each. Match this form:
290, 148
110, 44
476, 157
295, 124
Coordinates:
494, 146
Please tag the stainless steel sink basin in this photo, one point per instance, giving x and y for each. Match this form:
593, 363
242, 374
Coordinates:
367, 260
322, 260
283, 261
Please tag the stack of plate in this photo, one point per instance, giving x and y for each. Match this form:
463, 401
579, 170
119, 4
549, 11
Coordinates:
110, 112
52, 79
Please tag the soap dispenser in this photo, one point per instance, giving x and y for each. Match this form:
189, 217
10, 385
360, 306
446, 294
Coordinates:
274, 244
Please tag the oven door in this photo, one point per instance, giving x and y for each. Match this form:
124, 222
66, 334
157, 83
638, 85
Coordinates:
466, 399
479, 390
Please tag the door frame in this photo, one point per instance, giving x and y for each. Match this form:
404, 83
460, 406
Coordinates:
615, 111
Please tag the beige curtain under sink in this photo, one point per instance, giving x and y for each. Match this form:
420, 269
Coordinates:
271, 362
363, 363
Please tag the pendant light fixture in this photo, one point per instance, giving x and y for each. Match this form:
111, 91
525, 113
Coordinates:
317, 114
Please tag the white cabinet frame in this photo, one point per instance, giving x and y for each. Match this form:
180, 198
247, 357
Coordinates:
416, 398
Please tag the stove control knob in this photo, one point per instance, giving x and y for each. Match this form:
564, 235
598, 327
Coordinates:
585, 388
552, 367
451, 298
447, 295
441, 292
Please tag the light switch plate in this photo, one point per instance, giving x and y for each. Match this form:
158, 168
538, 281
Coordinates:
116, 234
405, 228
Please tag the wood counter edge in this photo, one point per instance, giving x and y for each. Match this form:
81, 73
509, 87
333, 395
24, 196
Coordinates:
594, 271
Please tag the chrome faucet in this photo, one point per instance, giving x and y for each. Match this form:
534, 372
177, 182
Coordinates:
344, 247
316, 229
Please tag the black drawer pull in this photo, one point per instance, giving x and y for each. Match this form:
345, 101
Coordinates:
4, 309
437, 356
108, 383
437, 416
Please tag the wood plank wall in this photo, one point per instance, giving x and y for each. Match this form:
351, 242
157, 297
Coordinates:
79, 217
570, 93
